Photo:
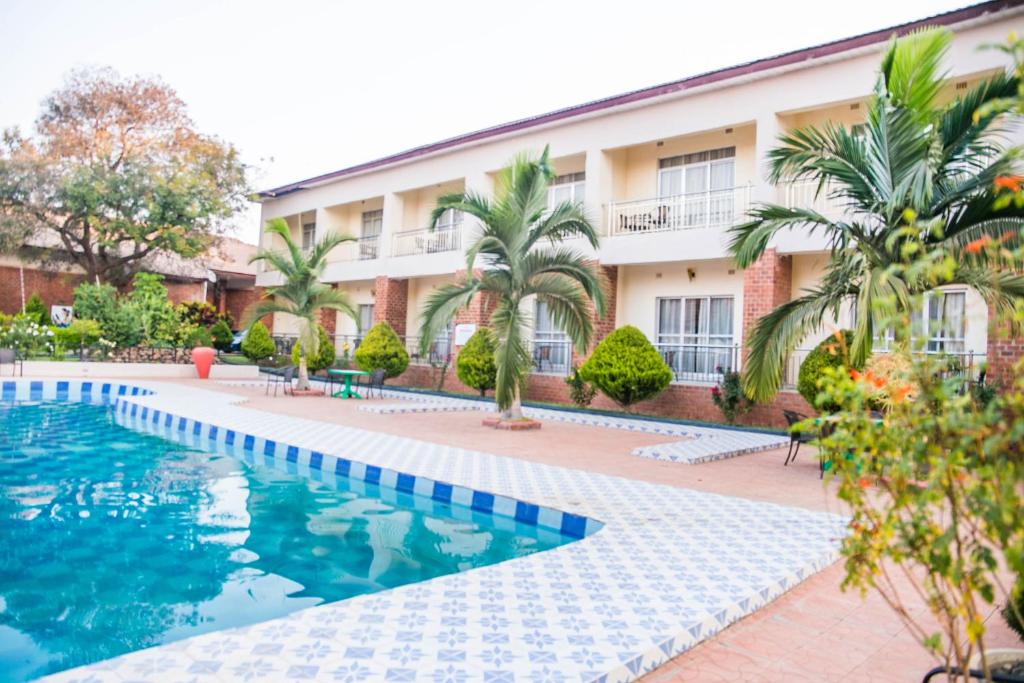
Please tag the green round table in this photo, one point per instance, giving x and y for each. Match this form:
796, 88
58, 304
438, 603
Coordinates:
347, 391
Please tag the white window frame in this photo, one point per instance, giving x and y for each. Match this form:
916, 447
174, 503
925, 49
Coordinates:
710, 206
697, 354
552, 350
363, 309
371, 219
308, 235
576, 183
935, 341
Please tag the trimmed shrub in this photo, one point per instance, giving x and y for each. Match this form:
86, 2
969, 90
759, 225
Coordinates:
221, 335
324, 357
257, 344
626, 367
80, 332
475, 365
830, 353
35, 309
382, 349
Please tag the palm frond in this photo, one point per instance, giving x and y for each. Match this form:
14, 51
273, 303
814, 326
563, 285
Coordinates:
512, 356
749, 240
567, 304
442, 305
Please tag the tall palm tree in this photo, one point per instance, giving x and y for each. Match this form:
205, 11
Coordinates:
302, 295
915, 163
503, 263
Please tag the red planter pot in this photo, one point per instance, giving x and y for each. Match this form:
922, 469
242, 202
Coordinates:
202, 358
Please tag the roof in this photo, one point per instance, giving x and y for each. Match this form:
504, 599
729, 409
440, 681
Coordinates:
746, 69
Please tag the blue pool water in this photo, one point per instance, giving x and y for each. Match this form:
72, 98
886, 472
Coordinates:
113, 540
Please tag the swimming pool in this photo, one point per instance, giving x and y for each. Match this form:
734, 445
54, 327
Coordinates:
112, 540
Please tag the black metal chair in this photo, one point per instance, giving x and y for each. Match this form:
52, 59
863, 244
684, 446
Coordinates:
10, 356
796, 437
375, 380
285, 378
973, 673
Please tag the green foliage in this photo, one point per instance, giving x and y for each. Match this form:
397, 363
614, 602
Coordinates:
26, 336
626, 367
475, 365
81, 332
1013, 610
728, 396
153, 309
95, 302
36, 309
124, 327
830, 353
221, 335
512, 223
382, 349
257, 344
323, 358
581, 392
201, 313
199, 336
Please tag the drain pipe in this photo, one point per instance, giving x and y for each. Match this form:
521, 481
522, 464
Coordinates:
21, 278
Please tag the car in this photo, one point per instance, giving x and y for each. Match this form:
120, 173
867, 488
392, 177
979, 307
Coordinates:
236, 341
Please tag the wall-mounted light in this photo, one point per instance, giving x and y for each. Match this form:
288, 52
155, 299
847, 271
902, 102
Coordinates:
691, 273
659, 143
657, 276
855, 106
728, 131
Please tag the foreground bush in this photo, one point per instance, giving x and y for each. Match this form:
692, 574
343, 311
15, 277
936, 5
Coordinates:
381, 349
323, 358
35, 309
221, 335
626, 367
831, 353
475, 365
257, 344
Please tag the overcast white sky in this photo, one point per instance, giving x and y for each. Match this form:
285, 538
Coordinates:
304, 87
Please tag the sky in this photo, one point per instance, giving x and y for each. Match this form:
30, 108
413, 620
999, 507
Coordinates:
305, 86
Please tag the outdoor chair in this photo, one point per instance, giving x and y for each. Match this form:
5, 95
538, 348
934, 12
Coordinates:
375, 380
541, 355
796, 437
10, 356
284, 379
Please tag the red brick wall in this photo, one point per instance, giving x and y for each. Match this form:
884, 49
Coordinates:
268, 320
391, 302
53, 287
236, 301
1004, 350
766, 283
679, 401
180, 292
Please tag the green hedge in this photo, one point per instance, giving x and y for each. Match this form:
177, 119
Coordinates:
828, 354
324, 357
382, 349
626, 367
475, 365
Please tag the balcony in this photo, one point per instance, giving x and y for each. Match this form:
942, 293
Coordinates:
803, 194
369, 247
708, 209
699, 363
420, 242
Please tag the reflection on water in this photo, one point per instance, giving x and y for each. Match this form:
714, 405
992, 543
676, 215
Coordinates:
113, 540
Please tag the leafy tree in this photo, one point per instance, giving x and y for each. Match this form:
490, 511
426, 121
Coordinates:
302, 295
258, 344
475, 366
626, 367
221, 335
153, 309
325, 355
832, 352
381, 349
36, 309
512, 224
116, 172
915, 157
95, 302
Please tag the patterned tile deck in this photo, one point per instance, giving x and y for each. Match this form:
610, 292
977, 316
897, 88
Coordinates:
669, 568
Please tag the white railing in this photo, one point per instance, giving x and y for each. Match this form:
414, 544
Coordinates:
707, 209
369, 247
803, 194
414, 242
966, 364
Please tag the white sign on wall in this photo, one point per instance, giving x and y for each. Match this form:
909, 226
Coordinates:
463, 331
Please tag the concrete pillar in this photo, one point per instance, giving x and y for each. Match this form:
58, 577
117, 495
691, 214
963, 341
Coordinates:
768, 127
393, 222
598, 170
391, 302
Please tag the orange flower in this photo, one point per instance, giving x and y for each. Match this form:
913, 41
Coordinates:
977, 245
838, 334
855, 374
1009, 182
899, 394
864, 482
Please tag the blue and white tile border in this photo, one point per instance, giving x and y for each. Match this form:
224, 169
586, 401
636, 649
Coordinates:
669, 568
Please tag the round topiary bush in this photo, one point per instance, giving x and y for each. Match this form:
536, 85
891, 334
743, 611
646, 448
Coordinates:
475, 365
221, 335
382, 349
257, 344
626, 367
324, 357
830, 353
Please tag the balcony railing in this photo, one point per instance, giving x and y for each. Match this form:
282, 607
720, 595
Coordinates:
369, 247
703, 363
803, 194
965, 364
712, 208
416, 242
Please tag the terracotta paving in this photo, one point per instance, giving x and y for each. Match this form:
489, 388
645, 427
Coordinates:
815, 632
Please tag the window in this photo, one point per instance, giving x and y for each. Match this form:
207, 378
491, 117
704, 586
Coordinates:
441, 348
695, 335
373, 222
700, 187
552, 350
308, 236
940, 325
449, 220
365, 317
570, 187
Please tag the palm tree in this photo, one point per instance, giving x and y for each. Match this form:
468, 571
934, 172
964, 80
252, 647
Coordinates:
302, 295
919, 173
510, 269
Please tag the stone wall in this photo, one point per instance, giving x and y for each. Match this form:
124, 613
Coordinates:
145, 354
